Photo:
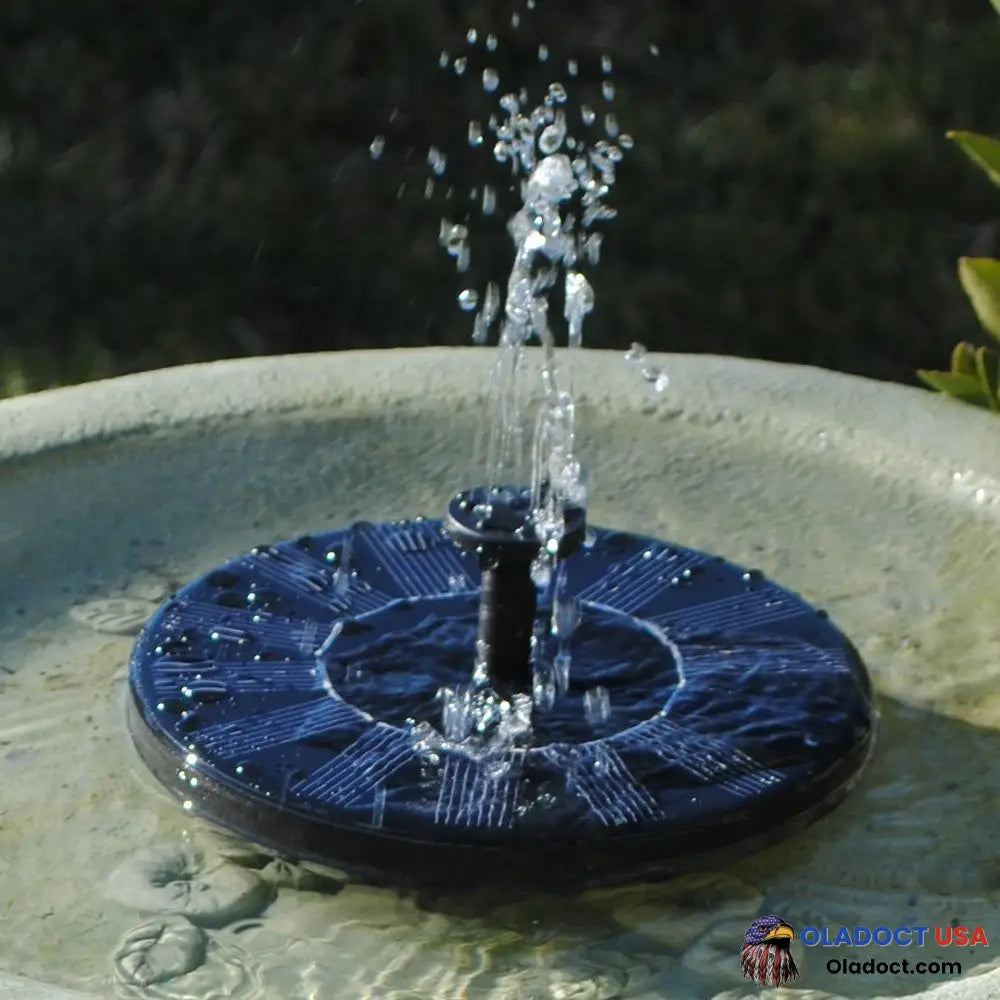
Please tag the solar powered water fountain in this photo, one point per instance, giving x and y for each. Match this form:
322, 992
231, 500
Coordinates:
507, 694
114, 493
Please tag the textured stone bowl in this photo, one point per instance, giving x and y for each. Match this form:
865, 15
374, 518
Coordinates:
839, 487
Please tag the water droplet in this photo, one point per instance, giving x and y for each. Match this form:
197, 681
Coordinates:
551, 139
543, 53
587, 114
491, 79
468, 298
597, 705
558, 93
436, 160
444, 59
611, 126
541, 573
460, 63
428, 189
377, 146
452, 237
607, 89
515, 19
471, 35
636, 353
378, 806
475, 133
491, 42
560, 670
489, 199
626, 141
606, 64
654, 49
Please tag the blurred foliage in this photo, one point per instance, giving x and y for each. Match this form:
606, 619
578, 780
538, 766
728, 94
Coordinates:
973, 377
183, 181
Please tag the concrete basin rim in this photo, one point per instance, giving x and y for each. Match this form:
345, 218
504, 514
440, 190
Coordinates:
873, 421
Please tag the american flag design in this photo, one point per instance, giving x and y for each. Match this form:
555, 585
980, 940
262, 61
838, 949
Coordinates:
766, 958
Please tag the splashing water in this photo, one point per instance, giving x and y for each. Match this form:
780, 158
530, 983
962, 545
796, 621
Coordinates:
564, 182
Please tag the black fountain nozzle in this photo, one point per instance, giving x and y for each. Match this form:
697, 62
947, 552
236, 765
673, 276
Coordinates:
496, 523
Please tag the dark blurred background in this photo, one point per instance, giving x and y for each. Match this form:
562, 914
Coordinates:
183, 181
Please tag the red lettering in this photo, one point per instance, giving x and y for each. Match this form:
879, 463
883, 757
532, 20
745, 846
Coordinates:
943, 936
979, 937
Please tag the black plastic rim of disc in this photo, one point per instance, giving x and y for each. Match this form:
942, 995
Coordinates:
239, 706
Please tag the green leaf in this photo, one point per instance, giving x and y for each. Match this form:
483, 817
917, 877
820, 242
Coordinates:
980, 277
981, 149
988, 369
963, 357
967, 388
996, 5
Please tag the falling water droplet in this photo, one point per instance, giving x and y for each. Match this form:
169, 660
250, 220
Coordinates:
592, 247
572, 67
654, 49
551, 139
515, 19
561, 664
607, 89
489, 199
543, 52
491, 79
436, 160
558, 93
491, 42
606, 64
378, 806
460, 63
444, 59
587, 114
428, 189
611, 126
636, 353
475, 134
377, 146
471, 35
468, 299
625, 141
597, 705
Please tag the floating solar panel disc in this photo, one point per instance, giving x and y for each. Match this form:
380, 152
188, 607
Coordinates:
294, 696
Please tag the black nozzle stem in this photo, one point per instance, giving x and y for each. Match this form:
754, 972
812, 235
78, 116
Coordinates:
496, 524
506, 621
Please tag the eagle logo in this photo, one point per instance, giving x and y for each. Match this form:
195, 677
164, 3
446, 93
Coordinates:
765, 957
